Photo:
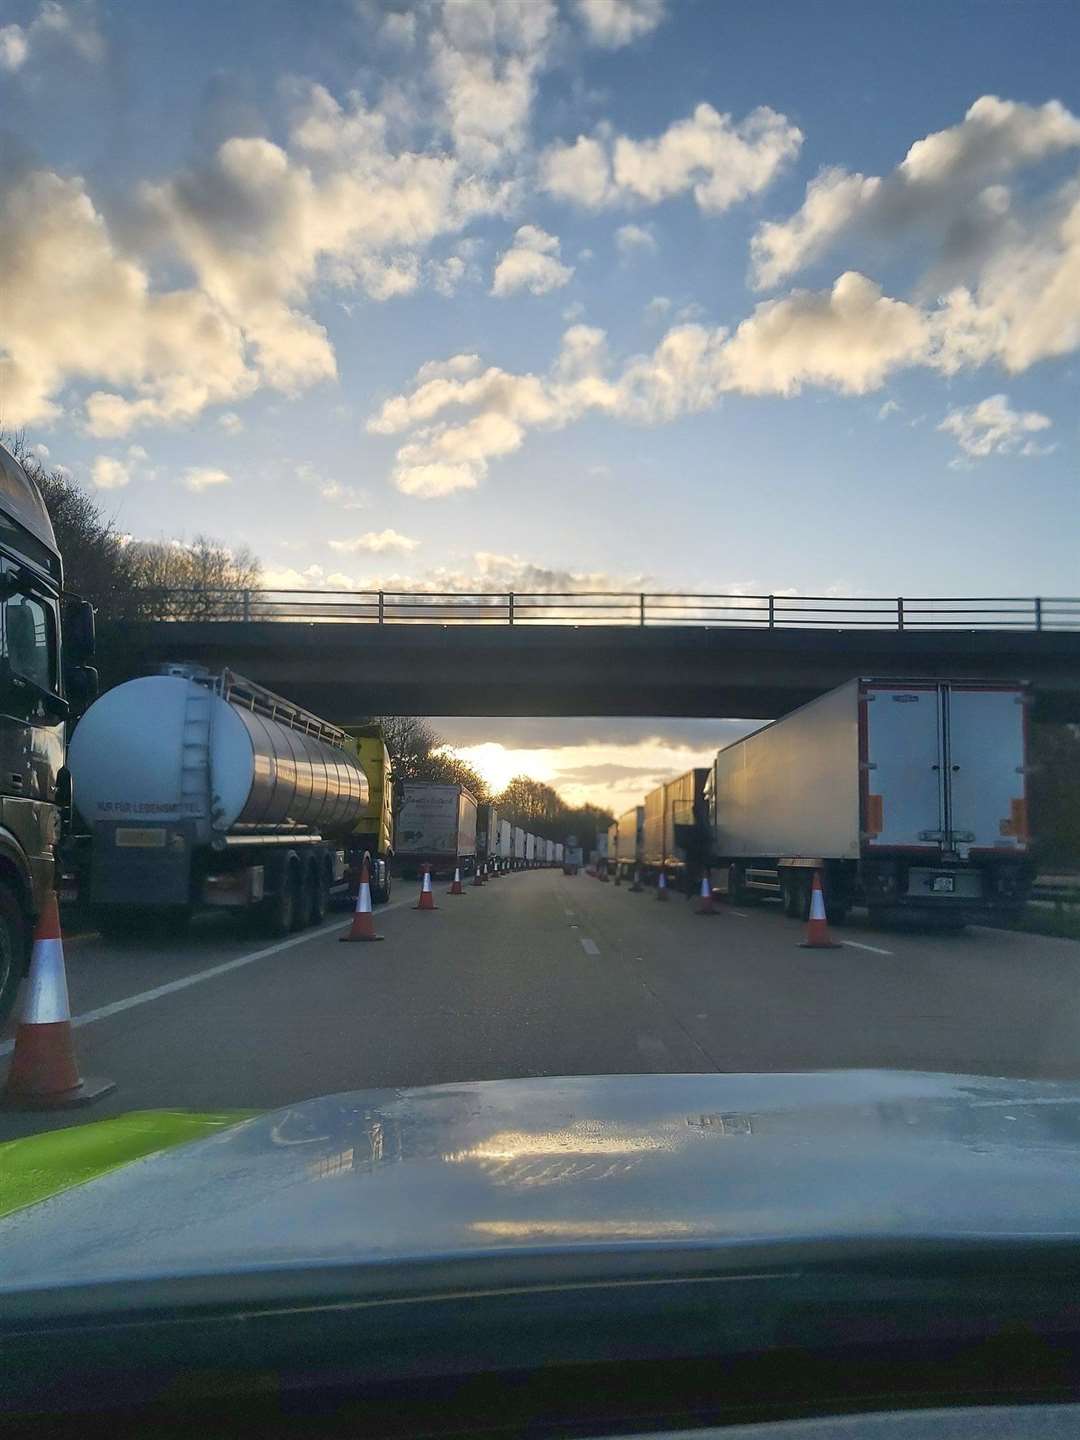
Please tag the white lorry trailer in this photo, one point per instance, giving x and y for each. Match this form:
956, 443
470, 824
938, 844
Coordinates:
436, 828
907, 796
209, 790
518, 843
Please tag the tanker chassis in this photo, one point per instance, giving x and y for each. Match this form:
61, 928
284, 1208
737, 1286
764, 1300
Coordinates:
203, 790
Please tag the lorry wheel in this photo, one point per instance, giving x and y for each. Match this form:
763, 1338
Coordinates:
384, 892
12, 950
304, 882
281, 907
791, 892
319, 880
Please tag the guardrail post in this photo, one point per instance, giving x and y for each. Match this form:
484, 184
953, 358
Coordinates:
1038, 614
382, 608
772, 612
247, 604
899, 613
641, 608
510, 608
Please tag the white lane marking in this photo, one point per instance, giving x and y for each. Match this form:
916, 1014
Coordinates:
589, 946
742, 914
874, 949
569, 914
144, 997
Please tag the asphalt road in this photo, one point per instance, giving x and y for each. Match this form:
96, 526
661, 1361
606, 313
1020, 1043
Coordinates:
541, 974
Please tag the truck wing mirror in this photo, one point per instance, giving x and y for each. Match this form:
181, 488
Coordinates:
80, 639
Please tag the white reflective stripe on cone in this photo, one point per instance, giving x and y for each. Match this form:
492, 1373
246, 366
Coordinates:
363, 900
817, 904
47, 992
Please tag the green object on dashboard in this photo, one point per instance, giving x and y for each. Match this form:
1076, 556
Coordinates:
38, 1166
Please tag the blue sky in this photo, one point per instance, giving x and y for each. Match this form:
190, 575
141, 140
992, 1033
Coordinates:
477, 293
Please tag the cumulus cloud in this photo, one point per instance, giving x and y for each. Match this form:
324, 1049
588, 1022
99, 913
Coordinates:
890, 407
717, 161
949, 184
231, 423
633, 239
614, 23
108, 473
376, 542
458, 417
993, 427
485, 58
532, 263
205, 477
254, 226
72, 27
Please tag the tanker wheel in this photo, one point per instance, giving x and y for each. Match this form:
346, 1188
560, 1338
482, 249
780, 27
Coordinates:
306, 883
319, 893
12, 950
283, 906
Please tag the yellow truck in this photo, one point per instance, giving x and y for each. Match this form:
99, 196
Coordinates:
373, 837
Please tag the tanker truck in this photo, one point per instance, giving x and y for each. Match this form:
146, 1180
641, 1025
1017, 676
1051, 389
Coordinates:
202, 790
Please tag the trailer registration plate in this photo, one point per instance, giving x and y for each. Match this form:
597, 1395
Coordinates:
141, 839
943, 884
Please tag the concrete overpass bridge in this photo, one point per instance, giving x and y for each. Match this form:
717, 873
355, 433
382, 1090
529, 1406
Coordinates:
756, 657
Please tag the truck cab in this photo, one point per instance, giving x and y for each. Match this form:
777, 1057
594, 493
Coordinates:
34, 786
373, 837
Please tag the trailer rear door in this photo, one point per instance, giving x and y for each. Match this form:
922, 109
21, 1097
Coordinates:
987, 807
903, 799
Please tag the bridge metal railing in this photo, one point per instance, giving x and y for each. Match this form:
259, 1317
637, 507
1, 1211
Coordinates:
390, 607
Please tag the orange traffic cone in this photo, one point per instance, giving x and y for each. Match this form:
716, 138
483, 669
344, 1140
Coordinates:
44, 1073
637, 887
427, 899
817, 927
705, 904
661, 886
455, 884
363, 922
478, 877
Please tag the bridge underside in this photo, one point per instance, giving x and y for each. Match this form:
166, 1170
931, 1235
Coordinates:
346, 671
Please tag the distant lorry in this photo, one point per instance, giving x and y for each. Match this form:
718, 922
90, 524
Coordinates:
46, 640
487, 834
518, 848
504, 849
530, 849
203, 789
675, 829
558, 852
906, 795
572, 857
436, 826
373, 837
625, 840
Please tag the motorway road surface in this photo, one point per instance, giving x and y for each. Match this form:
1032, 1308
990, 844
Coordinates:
542, 974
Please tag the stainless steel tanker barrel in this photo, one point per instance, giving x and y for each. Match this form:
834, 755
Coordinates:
217, 751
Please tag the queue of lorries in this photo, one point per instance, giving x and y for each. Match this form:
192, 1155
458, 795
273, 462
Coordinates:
908, 797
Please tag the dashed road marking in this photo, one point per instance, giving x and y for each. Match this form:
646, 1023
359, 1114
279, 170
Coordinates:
742, 914
874, 949
589, 946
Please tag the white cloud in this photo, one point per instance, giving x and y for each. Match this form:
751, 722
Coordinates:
993, 427
657, 308
41, 451
532, 263
108, 473
847, 338
890, 407
73, 28
485, 58
948, 184
633, 239
376, 542
231, 423
205, 477
707, 154
614, 23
